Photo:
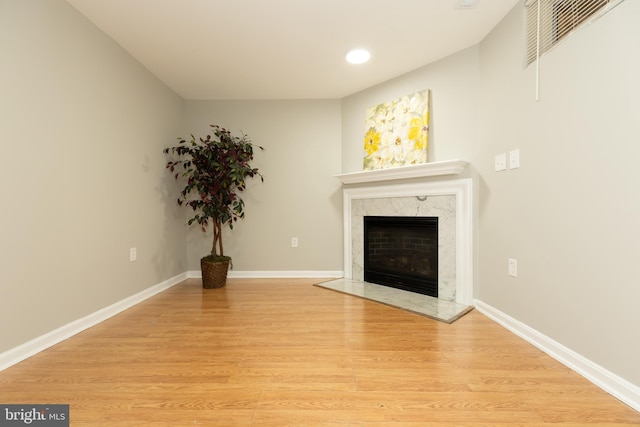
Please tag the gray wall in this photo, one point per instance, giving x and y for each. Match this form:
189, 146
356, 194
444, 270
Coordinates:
570, 214
82, 178
300, 196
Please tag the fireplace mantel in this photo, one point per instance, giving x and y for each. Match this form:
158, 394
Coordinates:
448, 167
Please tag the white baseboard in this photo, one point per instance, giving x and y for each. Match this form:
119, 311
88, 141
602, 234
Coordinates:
274, 274
36, 345
606, 380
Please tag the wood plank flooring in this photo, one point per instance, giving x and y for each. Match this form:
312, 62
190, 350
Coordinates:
286, 353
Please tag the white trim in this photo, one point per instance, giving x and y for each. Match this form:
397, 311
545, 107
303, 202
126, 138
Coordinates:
36, 345
606, 380
447, 167
303, 274
461, 188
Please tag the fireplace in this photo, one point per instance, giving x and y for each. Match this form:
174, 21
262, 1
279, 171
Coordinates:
402, 252
380, 193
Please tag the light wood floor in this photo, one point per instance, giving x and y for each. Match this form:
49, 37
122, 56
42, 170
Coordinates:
285, 353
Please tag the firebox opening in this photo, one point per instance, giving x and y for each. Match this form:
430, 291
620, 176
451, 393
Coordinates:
402, 252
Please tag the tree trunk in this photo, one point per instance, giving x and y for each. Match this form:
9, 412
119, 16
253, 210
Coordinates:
217, 239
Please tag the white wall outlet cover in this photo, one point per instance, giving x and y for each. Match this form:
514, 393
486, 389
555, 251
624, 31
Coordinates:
513, 267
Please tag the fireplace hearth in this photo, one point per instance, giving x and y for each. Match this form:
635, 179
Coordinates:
402, 252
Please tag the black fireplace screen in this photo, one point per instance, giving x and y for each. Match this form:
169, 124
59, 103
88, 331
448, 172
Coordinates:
402, 252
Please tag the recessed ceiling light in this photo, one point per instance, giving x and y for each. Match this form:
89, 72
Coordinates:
358, 56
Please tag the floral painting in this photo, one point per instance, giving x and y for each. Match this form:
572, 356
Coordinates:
397, 132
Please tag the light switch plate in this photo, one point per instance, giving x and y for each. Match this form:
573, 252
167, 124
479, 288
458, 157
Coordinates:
514, 159
501, 162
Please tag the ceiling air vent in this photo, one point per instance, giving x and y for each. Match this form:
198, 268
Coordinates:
466, 4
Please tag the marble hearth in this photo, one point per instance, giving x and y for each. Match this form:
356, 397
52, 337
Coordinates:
380, 193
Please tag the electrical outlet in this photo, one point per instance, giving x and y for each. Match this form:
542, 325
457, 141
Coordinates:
133, 254
294, 242
513, 267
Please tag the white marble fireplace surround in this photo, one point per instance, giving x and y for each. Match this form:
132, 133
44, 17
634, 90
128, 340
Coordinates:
441, 206
378, 193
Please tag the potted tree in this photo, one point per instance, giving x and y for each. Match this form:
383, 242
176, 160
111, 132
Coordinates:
215, 169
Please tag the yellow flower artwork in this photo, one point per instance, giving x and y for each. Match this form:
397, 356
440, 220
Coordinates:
397, 132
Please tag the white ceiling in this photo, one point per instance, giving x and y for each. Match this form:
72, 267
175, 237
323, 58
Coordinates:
287, 49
